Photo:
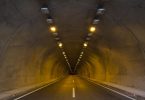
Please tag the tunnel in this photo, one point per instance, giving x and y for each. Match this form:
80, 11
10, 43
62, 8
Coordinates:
44, 42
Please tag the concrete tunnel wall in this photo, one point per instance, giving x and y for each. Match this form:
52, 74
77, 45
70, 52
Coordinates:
118, 55
28, 53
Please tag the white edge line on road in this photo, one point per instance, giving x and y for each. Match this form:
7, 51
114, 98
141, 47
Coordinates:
33, 91
73, 93
116, 92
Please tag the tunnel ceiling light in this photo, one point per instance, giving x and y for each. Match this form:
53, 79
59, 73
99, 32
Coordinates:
100, 9
82, 53
85, 44
53, 29
55, 35
63, 53
90, 34
88, 38
65, 57
60, 44
92, 29
57, 38
96, 20
44, 9
49, 20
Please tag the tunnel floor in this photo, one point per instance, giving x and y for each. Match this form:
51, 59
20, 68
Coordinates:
72, 88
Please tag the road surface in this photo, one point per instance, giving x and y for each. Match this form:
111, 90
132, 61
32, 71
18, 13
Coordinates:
73, 88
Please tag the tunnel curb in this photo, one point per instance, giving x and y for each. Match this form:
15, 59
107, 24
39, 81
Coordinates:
12, 94
130, 94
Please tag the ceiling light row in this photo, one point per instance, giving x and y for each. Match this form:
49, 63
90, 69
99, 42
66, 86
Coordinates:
79, 59
53, 29
100, 10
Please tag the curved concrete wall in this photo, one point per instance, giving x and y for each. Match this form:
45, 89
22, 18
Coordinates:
27, 52
119, 54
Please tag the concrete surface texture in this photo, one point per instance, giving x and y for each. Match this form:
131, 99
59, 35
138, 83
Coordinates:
29, 55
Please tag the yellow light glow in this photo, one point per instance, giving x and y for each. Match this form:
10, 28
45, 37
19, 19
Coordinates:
53, 29
92, 29
60, 45
85, 44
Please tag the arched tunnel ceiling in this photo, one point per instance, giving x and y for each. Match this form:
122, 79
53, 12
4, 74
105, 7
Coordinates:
30, 55
123, 19
120, 28
67, 14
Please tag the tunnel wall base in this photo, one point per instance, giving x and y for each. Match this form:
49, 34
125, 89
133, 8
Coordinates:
24, 90
131, 92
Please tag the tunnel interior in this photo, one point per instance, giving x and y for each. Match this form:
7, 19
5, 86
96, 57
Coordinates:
29, 53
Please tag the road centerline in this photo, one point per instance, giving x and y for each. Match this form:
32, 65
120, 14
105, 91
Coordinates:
73, 92
73, 81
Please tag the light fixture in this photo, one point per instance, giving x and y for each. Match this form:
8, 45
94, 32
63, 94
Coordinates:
92, 29
55, 33
79, 60
60, 44
85, 44
65, 56
57, 38
49, 20
53, 29
82, 53
100, 9
96, 20
88, 38
63, 53
44, 9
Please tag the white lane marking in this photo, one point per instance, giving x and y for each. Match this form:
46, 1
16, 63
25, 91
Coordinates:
33, 91
73, 81
117, 92
73, 93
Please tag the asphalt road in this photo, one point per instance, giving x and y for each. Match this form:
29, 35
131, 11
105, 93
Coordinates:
73, 88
